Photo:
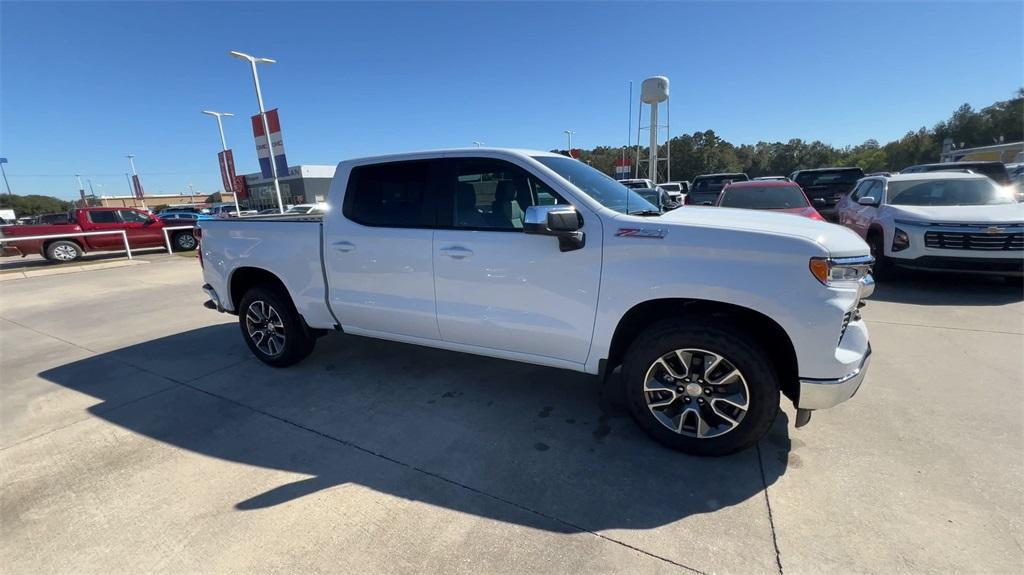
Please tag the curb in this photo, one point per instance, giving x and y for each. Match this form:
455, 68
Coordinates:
61, 270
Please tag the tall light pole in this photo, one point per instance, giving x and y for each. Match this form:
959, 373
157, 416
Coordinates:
252, 60
81, 191
135, 174
4, 172
224, 148
477, 144
569, 133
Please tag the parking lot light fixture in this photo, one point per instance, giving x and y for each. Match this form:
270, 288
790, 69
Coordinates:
224, 147
253, 60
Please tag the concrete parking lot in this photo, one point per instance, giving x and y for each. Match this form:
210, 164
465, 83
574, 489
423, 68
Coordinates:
137, 436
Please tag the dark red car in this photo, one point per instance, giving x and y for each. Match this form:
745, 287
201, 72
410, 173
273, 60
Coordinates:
144, 230
768, 195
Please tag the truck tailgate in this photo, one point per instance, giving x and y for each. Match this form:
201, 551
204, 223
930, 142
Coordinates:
291, 250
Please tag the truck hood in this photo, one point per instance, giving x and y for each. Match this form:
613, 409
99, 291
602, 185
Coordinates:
991, 214
837, 240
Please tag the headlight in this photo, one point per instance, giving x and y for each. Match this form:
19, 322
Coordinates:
841, 271
900, 240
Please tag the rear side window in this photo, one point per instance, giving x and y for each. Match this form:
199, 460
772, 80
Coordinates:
395, 195
103, 217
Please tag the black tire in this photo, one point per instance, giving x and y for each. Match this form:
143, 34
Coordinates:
298, 341
63, 251
184, 241
883, 268
726, 340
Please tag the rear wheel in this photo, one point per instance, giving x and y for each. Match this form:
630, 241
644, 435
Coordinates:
185, 241
704, 390
63, 251
272, 328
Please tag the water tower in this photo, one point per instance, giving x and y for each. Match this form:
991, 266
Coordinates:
653, 91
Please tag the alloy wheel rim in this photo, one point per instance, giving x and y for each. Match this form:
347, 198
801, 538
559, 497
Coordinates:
696, 393
265, 328
186, 241
64, 253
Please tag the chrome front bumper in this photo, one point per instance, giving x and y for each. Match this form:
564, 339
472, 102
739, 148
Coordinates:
826, 393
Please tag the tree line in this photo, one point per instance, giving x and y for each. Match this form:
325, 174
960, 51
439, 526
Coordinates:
705, 152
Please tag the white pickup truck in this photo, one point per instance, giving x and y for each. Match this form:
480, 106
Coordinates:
534, 257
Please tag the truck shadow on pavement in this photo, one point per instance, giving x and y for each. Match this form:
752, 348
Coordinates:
545, 448
921, 288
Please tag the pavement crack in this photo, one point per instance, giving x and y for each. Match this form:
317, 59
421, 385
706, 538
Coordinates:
768, 503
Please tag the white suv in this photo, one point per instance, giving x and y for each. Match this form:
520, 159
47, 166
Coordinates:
939, 221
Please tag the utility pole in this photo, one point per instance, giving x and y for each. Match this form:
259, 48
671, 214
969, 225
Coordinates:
81, 191
569, 133
224, 149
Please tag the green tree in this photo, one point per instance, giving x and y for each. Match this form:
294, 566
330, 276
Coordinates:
33, 205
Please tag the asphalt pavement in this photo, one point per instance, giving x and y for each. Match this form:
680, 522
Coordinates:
137, 434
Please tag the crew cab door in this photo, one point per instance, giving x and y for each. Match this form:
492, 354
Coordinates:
142, 231
500, 288
860, 215
101, 220
377, 252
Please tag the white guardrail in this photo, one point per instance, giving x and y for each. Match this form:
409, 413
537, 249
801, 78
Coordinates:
122, 233
124, 238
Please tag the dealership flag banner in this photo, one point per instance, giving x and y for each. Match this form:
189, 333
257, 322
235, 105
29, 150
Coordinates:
263, 151
241, 189
227, 169
622, 169
137, 186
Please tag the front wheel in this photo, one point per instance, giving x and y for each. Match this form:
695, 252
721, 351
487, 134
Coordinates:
272, 328
701, 390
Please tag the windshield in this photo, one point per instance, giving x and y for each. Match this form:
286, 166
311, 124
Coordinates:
608, 192
715, 183
995, 171
829, 178
959, 192
764, 198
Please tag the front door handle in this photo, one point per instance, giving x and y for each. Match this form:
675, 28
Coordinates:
344, 246
456, 252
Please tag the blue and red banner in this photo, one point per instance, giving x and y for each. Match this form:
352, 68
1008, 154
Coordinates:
275, 147
227, 169
137, 186
622, 169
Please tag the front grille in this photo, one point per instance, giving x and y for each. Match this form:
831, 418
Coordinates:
974, 241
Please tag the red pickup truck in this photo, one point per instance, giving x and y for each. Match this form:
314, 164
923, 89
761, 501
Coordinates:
144, 230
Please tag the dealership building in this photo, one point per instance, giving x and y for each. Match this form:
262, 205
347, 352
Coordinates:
302, 185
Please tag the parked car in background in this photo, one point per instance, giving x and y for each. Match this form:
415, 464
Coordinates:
178, 217
781, 196
658, 197
771, 179
143, 229
995, 170
307, 209
942, 221
677, 191
535, 257
826, 186
268, 211
705, 188
634, 183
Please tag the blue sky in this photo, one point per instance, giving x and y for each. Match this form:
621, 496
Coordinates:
83, 84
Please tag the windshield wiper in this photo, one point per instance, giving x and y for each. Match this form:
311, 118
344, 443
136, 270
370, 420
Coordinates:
645, 213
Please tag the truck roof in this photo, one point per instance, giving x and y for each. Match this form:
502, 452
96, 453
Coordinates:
442, 151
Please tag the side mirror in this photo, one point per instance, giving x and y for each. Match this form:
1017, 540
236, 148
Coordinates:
867, 201
561, 221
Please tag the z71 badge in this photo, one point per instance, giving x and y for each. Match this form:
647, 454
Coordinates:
654, 233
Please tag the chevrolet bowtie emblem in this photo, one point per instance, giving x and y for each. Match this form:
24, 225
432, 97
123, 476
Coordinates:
994, 230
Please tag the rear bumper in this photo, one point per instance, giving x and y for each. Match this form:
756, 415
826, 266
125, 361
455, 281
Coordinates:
973, 265
826, 393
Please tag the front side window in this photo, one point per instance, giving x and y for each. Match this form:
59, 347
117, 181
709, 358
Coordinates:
495, 194
873, 191
103, 217
396, 194
132, 217
603, 189
958, 192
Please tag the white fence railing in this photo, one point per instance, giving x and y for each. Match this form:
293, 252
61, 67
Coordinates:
167, 236
124, 238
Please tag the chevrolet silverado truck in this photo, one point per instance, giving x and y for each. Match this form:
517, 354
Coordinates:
143, 229
710, 315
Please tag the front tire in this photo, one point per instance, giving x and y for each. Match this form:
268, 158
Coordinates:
272, 328
63, 251
705, 390
883, 268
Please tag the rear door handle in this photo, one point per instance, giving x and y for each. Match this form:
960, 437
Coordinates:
456, 252
344, 246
